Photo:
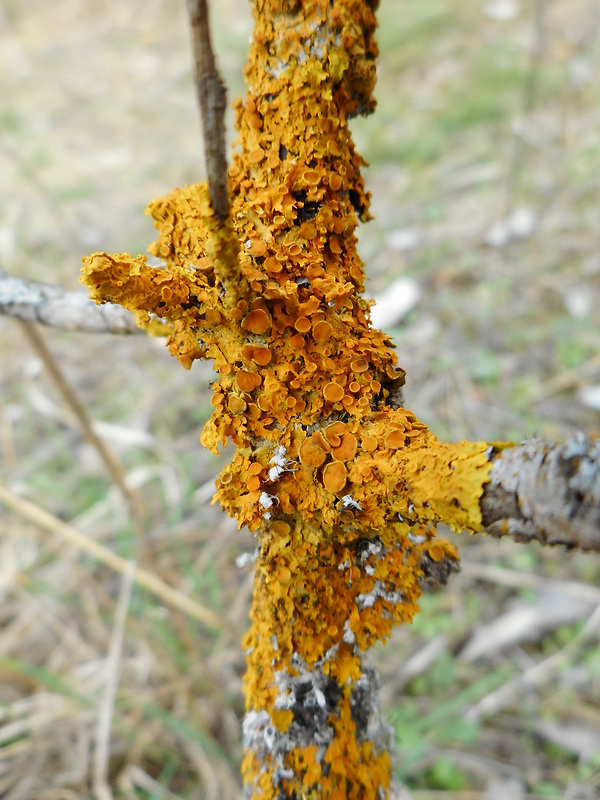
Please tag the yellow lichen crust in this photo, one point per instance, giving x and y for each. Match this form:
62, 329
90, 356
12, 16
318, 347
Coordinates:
362, 474
343, 594
340, 482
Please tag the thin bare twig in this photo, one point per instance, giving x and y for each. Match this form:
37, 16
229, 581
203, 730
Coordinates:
58, 308
142, 578
212, 97
102, 789
109, 459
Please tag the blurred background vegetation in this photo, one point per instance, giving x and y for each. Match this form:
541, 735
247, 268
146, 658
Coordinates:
485, 169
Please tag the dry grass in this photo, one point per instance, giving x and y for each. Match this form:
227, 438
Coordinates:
97, 117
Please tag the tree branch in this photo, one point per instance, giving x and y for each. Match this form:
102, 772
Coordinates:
213, 102
51, 305
546, 492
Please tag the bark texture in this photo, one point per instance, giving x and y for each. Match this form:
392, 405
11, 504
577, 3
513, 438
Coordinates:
212, 99
547, 492
71, 311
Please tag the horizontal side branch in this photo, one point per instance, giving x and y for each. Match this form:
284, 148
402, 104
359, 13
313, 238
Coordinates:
547, 492
53, 306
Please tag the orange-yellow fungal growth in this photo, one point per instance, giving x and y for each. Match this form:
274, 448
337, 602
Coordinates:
259, 355
335, 432
257, 321
334, 476
322, 331
302, 325
253, 483
339, 481
395, 439
346, 449
237, 404
247, 381
311, 453
333, 392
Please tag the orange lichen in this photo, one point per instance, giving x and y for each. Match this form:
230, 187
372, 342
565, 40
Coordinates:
335, 432
346, 450
395, 439
320, 441
367, 581
253, 483
333, 392
237, 404
257, 354
257, 321
359, 365
302, 325
311, 453
311, 177
259, 248
273, 265
313, 405
436, 551
247, 381
334, 476
322, 331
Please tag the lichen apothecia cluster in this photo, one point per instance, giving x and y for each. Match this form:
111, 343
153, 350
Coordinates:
340, 482
314, 728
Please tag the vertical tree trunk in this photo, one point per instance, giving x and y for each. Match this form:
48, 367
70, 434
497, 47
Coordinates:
326, 588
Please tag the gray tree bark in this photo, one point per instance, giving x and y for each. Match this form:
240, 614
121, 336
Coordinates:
51, 305
547, 492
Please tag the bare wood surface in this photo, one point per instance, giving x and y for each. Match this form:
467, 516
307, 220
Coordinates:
547, 492
53, 306
212, 97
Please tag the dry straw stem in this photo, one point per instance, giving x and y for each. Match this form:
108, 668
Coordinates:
340, 482
53, 306
569, 379
101, 786
109, 459
142, 578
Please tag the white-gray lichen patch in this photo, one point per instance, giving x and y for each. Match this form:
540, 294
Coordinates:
314, 699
